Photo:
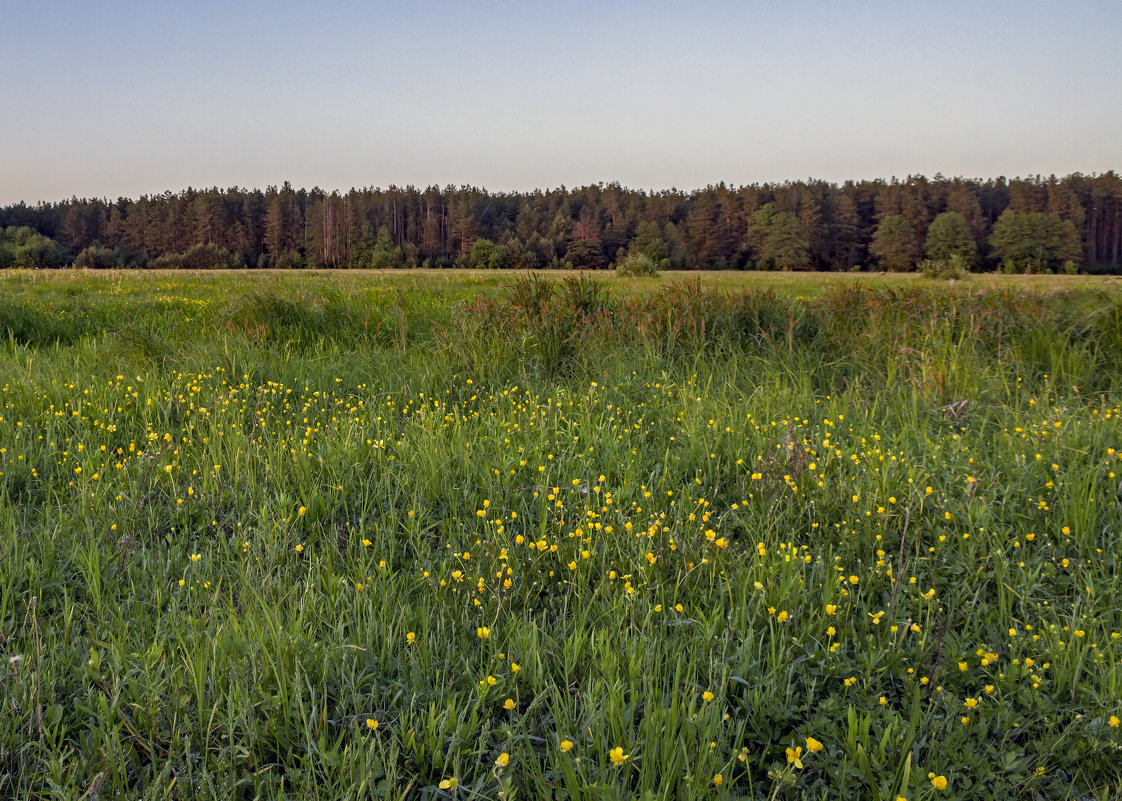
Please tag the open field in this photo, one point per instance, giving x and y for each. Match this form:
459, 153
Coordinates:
466, 282
466, 535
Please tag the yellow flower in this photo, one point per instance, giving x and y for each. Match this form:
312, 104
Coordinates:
411, 637
566, 746
503, 760
515, 667
300, 512
1113, 721
707, 696
970, 703
482, 632
448, 784
617, 756
782, 616
813, 745
939, 782
718, 780
371, 724
831, 609
794, 755
508, 704
196, 557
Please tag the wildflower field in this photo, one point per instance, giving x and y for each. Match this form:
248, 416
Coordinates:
419, 536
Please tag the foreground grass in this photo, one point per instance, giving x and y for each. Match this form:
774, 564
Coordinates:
365, 537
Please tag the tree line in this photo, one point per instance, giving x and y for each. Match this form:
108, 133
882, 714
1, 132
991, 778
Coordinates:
1033, 224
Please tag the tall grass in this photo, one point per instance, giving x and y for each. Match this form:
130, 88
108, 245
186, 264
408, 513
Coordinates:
252, 540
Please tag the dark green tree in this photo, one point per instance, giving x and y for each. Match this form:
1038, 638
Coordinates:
25, 247
779, 239
487, 255
1033, 242
949, 235
384, 255
894, 244
648, 241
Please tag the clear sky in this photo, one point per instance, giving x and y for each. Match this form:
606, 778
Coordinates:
121, 98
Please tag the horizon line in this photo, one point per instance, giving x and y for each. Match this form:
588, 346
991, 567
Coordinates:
892, 180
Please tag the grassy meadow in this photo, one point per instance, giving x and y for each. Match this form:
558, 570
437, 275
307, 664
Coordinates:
447, 535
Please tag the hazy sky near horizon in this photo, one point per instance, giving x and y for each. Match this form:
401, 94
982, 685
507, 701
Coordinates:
121, 98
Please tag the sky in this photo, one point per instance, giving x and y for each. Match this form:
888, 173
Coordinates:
113, 99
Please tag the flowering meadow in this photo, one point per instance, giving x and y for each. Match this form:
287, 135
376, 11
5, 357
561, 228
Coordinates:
396, 536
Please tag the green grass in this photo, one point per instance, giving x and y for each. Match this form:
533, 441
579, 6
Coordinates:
245, 516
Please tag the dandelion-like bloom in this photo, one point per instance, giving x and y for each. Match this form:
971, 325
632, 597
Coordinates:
448, 784
508, 704
411, 637
503, 760
372, 724
939, 782
707, 696
617, 756
718, 780
482, 632
566, 746
812, 745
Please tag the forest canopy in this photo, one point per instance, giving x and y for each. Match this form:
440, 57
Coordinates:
1035, 224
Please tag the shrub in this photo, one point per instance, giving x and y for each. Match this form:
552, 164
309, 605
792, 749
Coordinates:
951, 268
96, 258
635, 265
198, 257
